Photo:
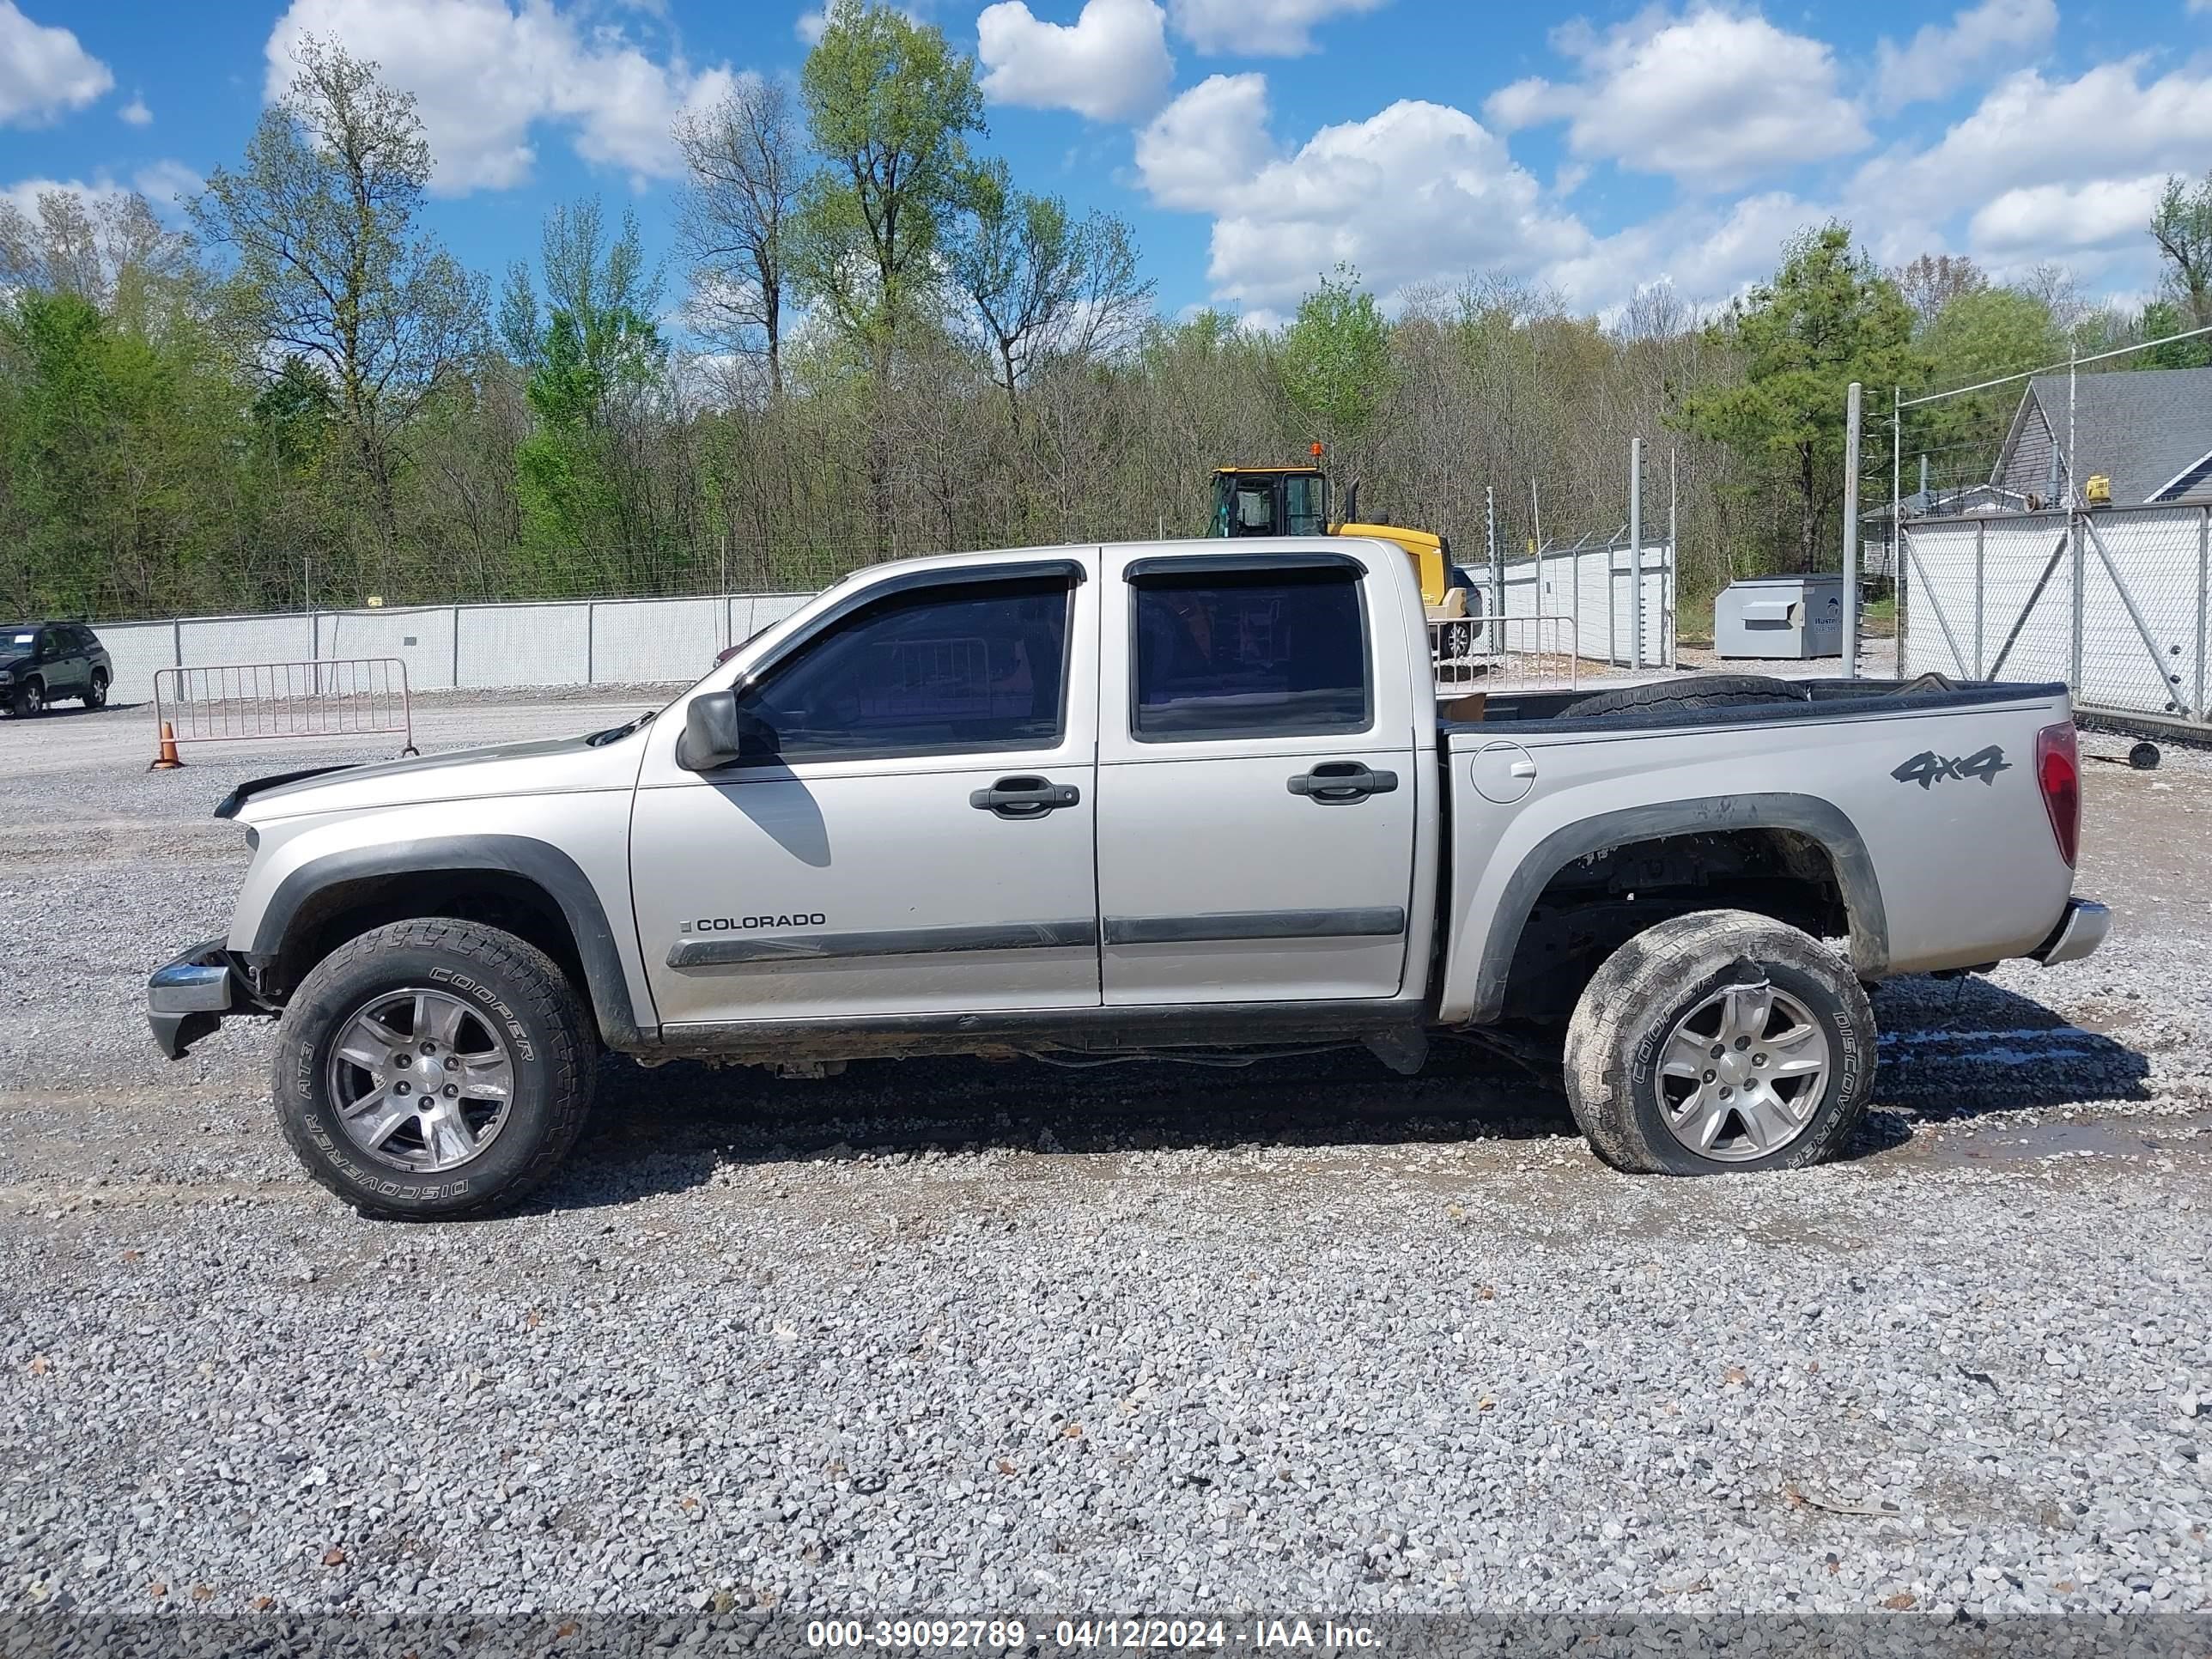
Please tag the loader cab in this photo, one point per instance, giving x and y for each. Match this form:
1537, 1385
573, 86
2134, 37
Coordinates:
1270, 500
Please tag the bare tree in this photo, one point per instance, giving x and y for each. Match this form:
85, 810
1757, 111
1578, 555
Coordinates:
1041, 283
746, 162
2182, 227
88, 247
322, 215
1932, 281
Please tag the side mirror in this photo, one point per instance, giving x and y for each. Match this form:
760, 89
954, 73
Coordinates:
718, 732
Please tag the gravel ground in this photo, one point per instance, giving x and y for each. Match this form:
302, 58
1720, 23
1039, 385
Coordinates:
949, 1336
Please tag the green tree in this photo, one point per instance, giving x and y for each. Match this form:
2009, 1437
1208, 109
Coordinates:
116, 448
598, 370
2161, 320
2181, 225
889, 107
321, 217
1336, 357
1828, 318
1981, 334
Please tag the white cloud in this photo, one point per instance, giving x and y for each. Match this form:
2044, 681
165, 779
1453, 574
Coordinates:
1706, 252
1259, 28
808, 29
1210, 140
1940, 57
2046, 219
1111, 63
1414, 191
168, 185
162, 183
136, 113
1712, 99
486, 75
44, 70
2106, 124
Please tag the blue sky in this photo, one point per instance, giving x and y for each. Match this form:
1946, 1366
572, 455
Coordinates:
1255, 144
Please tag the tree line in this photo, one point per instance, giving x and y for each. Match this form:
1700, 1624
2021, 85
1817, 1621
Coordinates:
887, 347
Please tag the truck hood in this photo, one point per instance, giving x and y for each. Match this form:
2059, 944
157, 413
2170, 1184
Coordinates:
536, 767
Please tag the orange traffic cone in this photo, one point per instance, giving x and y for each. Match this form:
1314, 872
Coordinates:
166, 761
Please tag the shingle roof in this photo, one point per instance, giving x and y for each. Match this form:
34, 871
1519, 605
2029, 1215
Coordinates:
2138, 426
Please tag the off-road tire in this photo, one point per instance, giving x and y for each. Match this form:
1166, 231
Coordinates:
1691, 691
1633, 1004
29, 699
95, 691
514, 982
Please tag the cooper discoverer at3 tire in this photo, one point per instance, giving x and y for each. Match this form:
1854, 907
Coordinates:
433, 1069
1717, 1041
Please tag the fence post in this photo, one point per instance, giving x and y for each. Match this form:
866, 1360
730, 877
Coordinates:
1852, 406
590, 638
1497, 569
2074, 527
2204, 584
1636, 553
177, 641
457, 648
1981, 587
1671, 621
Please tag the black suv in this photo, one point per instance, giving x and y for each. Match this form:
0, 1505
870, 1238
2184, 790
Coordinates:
41, 661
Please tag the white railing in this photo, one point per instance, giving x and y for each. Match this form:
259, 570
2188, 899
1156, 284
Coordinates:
233, 703
1523, 653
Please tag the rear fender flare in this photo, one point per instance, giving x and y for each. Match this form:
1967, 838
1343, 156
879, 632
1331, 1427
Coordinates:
1817, 820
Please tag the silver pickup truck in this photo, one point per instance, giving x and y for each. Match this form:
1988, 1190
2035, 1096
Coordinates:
1147, 800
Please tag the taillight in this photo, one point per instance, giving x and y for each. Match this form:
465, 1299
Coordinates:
2059, 772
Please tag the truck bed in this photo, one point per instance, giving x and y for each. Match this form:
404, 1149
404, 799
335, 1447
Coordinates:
1915, 807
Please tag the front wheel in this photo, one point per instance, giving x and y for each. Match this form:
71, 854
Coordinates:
30, 699
433, 1069
1720, 1041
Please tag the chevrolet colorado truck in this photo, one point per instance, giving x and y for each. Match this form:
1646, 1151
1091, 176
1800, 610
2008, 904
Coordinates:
1147, 800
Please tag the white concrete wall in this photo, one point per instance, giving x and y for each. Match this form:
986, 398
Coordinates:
473, 647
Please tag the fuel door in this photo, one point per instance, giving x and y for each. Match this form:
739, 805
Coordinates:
1503, 772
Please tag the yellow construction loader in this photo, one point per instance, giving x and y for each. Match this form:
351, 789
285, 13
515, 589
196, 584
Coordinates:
1297, 500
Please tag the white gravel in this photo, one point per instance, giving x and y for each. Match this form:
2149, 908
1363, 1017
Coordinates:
950, 1336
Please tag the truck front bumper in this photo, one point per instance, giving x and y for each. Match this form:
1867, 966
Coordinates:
2080, 931
187, 997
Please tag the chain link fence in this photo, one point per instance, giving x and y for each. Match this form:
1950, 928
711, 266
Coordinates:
2053, 526
2112, 601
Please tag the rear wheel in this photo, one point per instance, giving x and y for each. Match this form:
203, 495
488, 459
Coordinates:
30, 699
95, 691
433, 1068
1720, 1041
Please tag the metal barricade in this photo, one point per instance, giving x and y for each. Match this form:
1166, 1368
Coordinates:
1494, 653
240, 701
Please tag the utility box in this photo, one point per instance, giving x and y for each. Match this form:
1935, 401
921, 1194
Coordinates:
1780, 616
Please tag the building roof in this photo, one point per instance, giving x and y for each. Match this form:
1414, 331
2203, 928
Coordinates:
2143, 428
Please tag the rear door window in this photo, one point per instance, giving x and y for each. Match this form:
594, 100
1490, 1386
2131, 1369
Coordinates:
1270, 653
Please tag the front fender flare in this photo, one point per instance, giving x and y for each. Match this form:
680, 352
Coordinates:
539, 862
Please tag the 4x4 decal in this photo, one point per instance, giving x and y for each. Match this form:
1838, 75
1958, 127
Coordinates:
1925, 767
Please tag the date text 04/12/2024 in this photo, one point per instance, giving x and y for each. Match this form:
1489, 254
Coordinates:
993, 1635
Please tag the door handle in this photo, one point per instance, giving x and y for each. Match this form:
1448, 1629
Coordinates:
1025, 796
1333, 783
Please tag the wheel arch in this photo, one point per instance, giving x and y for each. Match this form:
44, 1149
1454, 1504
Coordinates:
530, 887
1821, 823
